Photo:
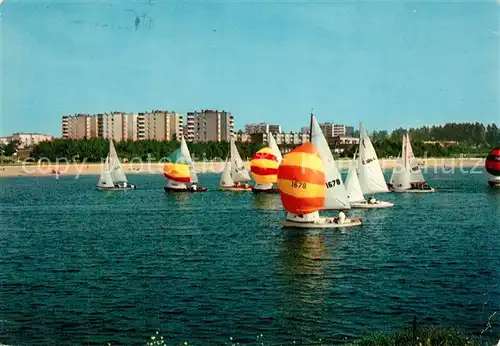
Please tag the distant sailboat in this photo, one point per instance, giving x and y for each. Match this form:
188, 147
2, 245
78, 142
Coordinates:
369, 175
264, 169
355, 191
274, 147
180, 171
235, 173
492, 166
403, 173
112, 176
353, 188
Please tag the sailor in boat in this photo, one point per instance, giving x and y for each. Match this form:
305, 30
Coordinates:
341, 217
193, 187
372, 200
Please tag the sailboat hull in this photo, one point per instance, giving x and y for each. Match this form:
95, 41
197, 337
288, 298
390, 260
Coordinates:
494, 184
130, 187
235, 188
377, 205
266, 191
324, 222
413, 189
187, 189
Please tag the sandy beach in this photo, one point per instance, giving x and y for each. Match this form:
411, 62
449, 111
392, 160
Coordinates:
75, 169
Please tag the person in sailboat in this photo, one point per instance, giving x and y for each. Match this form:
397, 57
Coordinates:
372, 200
341, 217
193, 186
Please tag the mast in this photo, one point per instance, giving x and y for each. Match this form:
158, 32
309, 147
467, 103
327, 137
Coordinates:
310, 126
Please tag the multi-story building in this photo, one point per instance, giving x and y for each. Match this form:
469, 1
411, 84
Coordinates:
339, 130
243, 137
79, 126
111, 126
160, 125
327, 129
209, 125
28, 139
262, 128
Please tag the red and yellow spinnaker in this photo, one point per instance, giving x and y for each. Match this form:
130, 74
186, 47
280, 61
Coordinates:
264, 167
177, 168
301, 180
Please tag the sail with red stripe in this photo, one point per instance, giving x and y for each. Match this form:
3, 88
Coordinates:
301, 180
264, 167
492, 163
177, 168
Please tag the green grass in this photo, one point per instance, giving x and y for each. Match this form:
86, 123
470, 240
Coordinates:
420, 336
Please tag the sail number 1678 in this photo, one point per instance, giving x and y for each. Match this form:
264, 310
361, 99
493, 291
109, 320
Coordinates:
333, 183
298, 185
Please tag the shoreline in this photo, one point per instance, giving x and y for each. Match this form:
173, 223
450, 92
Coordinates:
77, 169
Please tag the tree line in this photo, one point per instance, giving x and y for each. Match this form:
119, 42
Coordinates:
469, 134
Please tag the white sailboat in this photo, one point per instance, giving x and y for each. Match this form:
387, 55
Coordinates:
235, 173
401, 179
416, 175
112, 175
369, 175
274, 147
336, 194
353, 188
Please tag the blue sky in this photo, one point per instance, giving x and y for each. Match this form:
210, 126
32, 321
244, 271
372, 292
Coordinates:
387, 64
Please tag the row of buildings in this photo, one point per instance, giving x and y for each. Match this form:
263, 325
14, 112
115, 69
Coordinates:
26, 139
329, 129
202, 126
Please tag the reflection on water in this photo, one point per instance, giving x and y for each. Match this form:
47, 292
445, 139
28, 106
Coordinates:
305, 287
267, 201
181, 198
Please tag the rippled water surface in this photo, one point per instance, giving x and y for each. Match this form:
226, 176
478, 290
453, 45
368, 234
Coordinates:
81, 266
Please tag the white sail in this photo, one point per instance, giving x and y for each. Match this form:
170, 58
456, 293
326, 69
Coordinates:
117, 173
225, 179
336, 195
371, 177
187, 155
274, 147
401, 178
354, 192
416, 173
239, 172
105, 179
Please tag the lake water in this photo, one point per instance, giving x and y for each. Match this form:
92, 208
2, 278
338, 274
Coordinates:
81, 266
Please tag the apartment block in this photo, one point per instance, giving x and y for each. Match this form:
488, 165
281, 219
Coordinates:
330, 129
79, 126
262, 128
28, 139
209, 125
160, 125
305, 129
338, 130
120, 126
111, 126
